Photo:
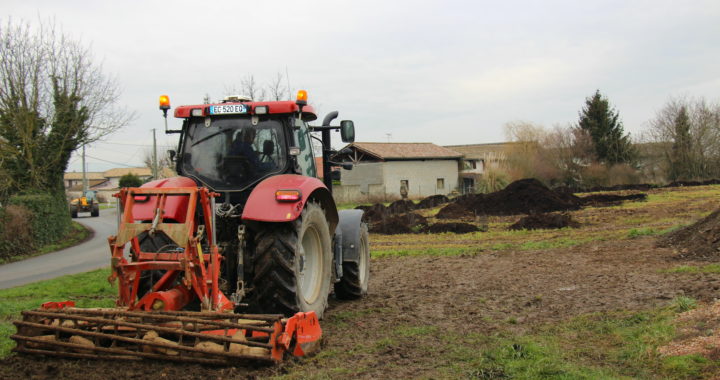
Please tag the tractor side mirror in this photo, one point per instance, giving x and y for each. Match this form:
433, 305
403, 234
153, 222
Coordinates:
347, 131
172, 155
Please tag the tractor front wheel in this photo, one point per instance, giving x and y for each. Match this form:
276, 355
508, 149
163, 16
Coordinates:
354, 282
293, 264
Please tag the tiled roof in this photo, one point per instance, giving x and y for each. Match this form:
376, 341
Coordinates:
480, 150
91, 184
119, 172
405, 151
79, 175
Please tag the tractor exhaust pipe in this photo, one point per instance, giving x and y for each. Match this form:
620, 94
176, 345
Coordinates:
327, 173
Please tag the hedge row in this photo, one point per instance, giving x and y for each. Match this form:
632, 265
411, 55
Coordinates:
30, 221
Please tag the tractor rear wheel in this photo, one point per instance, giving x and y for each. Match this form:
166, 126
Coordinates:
74, 212
95, 210
293, 264
354, 282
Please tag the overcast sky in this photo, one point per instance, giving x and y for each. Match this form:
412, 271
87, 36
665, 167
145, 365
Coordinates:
447, 72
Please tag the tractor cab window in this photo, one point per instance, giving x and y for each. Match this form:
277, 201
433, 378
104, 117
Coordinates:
229, 153
306, 159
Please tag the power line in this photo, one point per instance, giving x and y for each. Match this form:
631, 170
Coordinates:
110, 162
130, 144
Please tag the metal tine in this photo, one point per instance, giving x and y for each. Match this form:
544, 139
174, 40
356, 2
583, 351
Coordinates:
128, 340
199, 314
219, 324
141, 327
126, 354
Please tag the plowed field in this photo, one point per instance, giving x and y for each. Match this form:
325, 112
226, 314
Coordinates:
590, 302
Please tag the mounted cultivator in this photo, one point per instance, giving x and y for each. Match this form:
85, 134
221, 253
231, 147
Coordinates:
152, 327
245, 228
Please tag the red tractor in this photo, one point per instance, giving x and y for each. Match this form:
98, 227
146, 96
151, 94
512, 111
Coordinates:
246, 227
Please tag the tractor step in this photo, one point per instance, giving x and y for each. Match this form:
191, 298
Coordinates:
201, 337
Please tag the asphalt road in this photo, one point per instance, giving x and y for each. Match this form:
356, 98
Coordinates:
92, 254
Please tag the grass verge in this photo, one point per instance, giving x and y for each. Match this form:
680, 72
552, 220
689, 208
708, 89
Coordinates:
78, 234
617, 345
89, 289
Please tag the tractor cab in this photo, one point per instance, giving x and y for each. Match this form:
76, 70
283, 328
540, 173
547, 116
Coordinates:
231, 146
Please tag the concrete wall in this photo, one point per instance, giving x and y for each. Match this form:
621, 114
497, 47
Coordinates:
422, 177
363, 175
380, 181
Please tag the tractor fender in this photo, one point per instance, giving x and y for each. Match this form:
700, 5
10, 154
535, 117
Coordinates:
263, 207
175, 207
350, 230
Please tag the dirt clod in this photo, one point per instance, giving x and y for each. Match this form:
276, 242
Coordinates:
700, 241
458, 228
399, 224
525, 196
433, 201
544, 221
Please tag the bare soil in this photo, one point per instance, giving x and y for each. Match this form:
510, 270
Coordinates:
545, 221
450, 293
457, 294
700, 241
526, 196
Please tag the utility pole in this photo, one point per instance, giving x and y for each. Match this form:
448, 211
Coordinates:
155, 163
84, 182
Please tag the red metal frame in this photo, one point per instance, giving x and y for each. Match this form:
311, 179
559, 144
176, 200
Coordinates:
262, 205
274, 107
200, 270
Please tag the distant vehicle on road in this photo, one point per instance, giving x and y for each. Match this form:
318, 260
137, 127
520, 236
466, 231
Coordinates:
87, 203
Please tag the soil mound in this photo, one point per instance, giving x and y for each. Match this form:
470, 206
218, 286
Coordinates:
545, 221
458, 228
401, 206
699, 241
610, 199
525, 196
373, 213
455, 210
433, 201
399, 224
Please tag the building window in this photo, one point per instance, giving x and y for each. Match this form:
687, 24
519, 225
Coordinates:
441, 183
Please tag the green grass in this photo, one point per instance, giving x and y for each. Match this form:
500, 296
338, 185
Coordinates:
610, 345
710, 268
78, 233
89, 289
683, 303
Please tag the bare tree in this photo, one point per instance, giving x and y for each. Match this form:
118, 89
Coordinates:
277, 90
274, 90
53, 99
164, 161
688, 133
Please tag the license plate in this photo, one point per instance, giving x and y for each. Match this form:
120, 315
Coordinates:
228, 109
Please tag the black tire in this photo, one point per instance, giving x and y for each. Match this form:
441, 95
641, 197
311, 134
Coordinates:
95, 211
293, 264
73, 212
354, 282
157, 243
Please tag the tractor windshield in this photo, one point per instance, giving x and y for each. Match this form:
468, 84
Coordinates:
229, 153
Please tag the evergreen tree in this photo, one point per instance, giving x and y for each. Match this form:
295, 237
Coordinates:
681, 164
130, 180
603, 125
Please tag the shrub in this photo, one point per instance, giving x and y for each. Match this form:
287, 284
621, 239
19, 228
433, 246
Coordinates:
130, 180
492, 180
15, 233
46, 220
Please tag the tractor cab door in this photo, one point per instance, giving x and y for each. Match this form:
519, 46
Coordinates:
306, 158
